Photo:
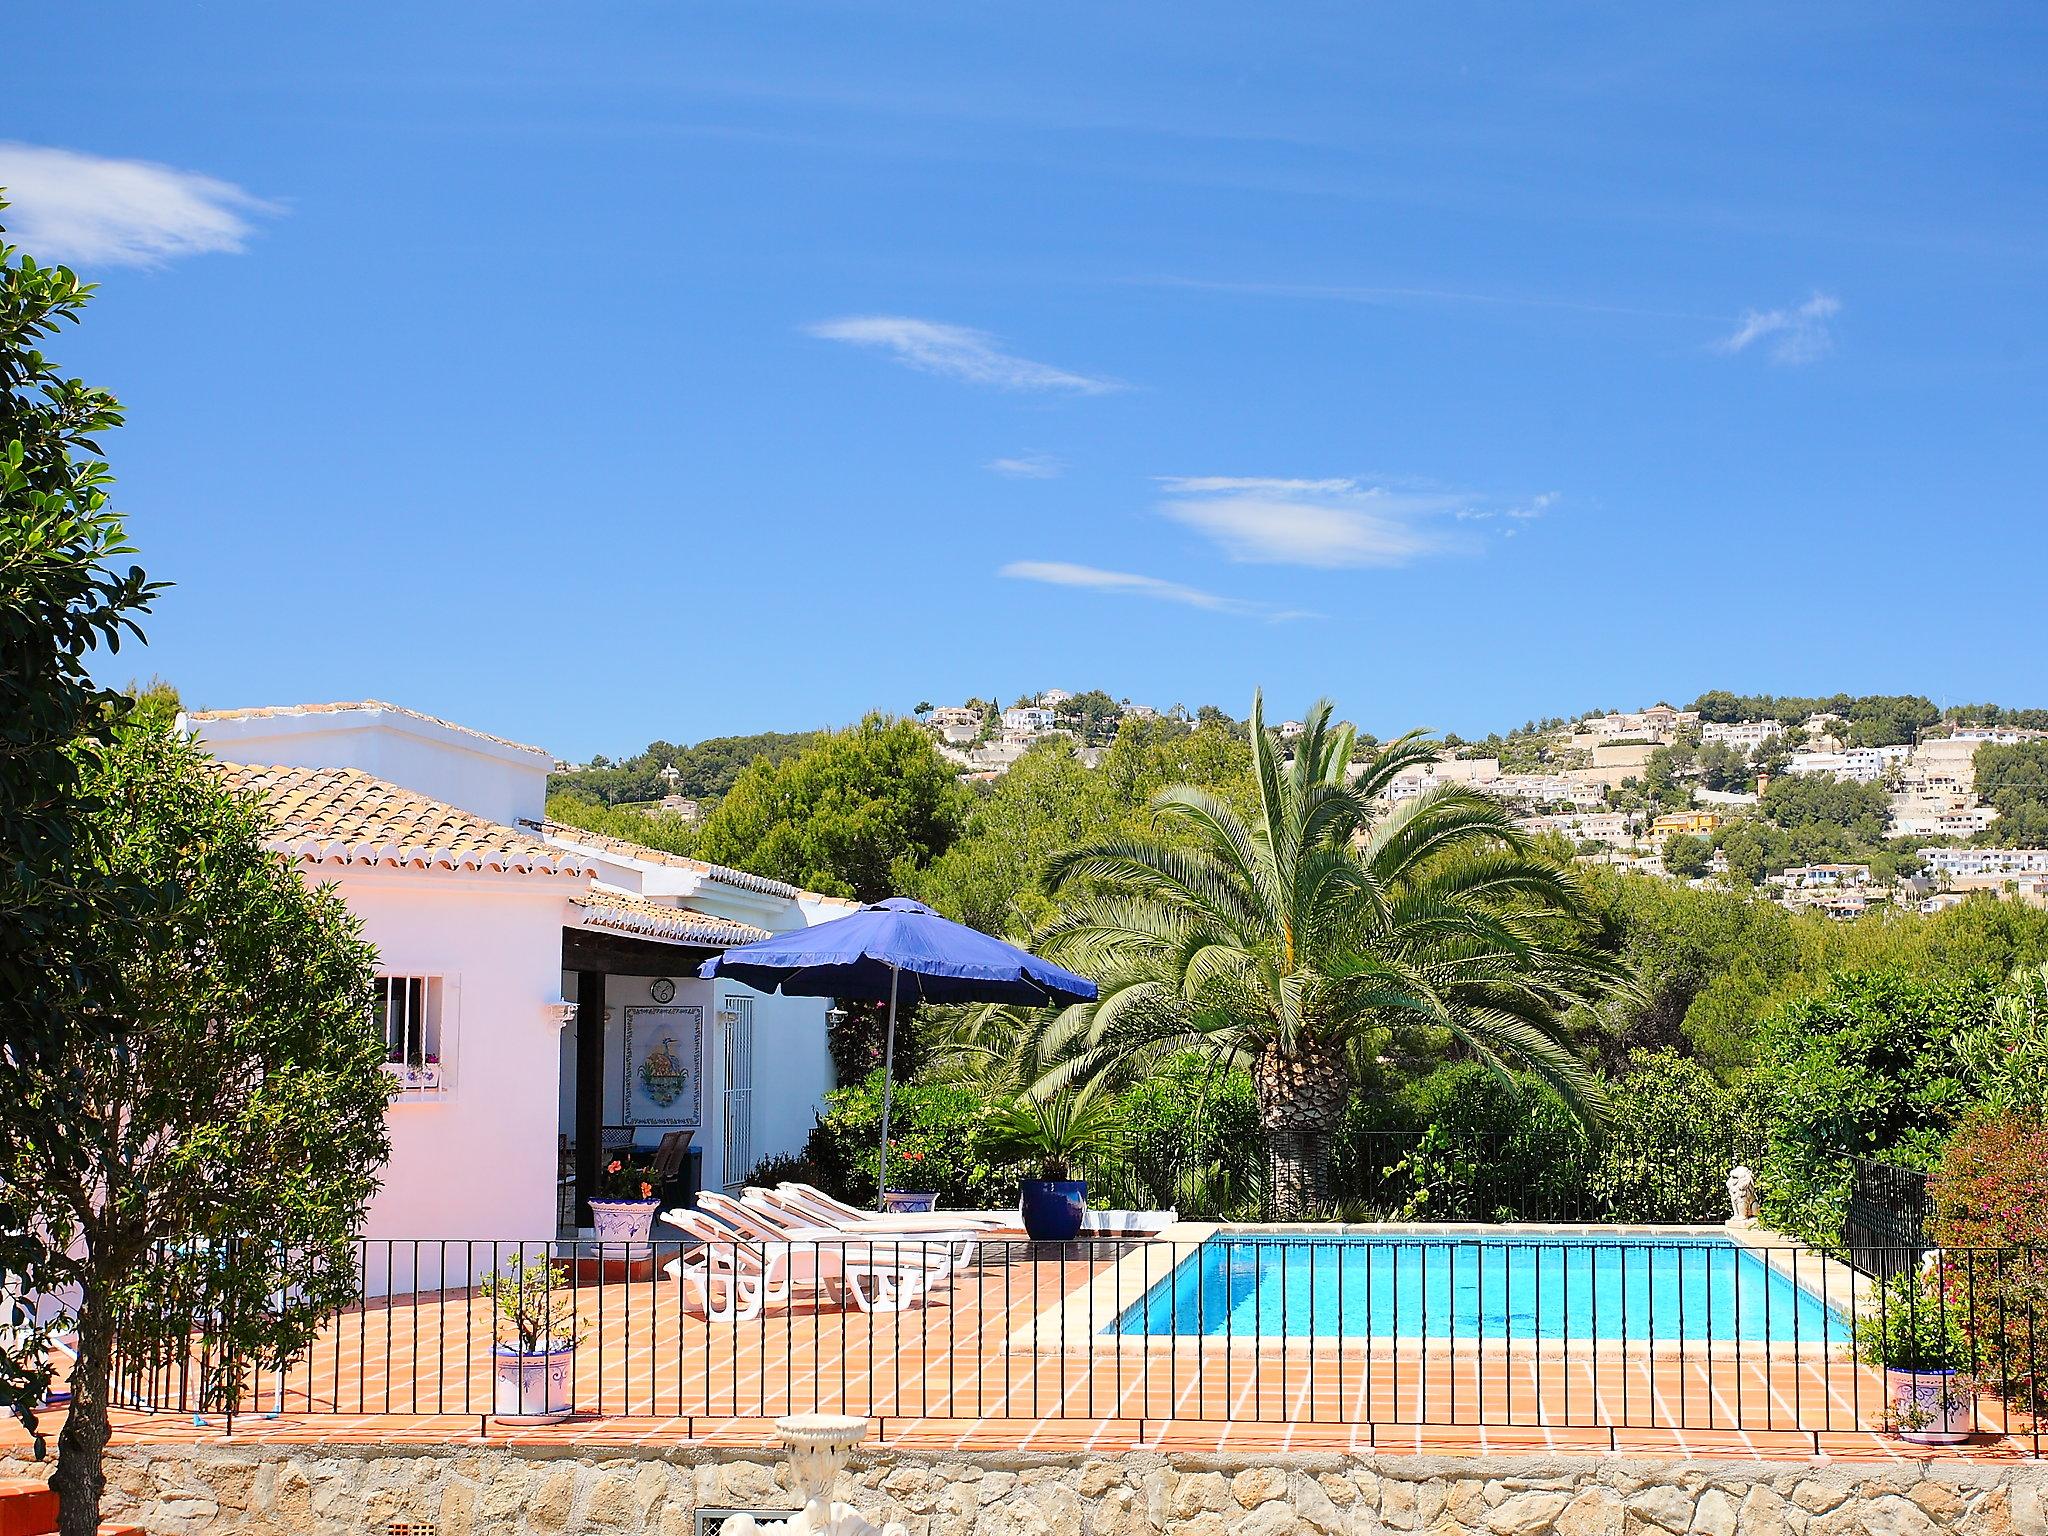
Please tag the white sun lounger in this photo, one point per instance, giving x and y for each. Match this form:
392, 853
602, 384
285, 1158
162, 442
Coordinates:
958, 1243
737, 1273
813, 1200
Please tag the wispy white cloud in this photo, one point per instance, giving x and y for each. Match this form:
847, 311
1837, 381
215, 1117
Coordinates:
1326, 523
956, 352
1061, 573
1029, 466
1387, 294
90, 210
1802, 333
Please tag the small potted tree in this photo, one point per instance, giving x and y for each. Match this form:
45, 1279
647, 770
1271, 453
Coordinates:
1914, 1333
1061, 1132
622, 1210
534, 1358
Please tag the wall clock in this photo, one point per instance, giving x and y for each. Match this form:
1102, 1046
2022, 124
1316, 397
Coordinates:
663, 990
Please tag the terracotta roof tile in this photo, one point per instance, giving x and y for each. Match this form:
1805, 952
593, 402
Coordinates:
270, 711
606, 906
344, 816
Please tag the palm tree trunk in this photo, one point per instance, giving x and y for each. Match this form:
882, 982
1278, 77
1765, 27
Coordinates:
1301, 1096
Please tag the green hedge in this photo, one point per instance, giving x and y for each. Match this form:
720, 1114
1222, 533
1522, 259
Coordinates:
1675, 1133
1869, 1067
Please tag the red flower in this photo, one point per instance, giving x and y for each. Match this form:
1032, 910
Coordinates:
614, 1166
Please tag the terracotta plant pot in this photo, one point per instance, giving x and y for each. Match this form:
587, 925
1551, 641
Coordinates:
532, 1389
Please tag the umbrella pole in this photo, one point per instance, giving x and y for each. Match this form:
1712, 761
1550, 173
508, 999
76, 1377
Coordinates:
888, 1093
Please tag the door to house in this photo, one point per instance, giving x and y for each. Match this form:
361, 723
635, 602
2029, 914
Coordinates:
738, 1015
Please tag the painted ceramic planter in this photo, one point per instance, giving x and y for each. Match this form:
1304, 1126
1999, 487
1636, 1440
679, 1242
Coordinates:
910, 1202
1930, 1407
1054, 1209
532, 1389
623, 1221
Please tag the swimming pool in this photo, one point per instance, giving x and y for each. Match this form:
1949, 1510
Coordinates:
1557, 1286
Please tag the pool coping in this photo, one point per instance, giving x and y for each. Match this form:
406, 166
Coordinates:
1081, 1319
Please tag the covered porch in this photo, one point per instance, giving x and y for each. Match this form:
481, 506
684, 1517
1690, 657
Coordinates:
650, 1051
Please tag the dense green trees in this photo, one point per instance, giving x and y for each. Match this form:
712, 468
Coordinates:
1812, 819
1712, 965
63, 598
856, 814
1867, 1067
1687, 856
2015, 780
1820, 799
1706, 964
704, 772
635, 826
992, 877
1874, 720
221, 1096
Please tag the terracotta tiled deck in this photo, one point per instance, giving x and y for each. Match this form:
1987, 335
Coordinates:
1008, 1356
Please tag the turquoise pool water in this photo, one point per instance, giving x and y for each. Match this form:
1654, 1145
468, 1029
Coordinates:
1703, 1289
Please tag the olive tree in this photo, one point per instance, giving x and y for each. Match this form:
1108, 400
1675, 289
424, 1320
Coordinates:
225, 1098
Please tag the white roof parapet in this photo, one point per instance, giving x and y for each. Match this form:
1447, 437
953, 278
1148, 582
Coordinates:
564, 836
366, 707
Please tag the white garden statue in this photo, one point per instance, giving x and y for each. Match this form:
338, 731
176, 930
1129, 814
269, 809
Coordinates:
819, 1445
1741, 1196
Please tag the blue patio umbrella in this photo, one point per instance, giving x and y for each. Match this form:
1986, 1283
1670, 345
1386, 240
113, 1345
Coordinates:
898, 948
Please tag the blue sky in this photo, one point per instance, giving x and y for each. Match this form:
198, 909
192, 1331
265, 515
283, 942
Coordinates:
599, 373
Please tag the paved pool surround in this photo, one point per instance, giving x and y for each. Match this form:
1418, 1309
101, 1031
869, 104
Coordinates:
278, 1490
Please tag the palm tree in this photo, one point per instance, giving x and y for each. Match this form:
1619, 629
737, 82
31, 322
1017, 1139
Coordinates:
1313, 930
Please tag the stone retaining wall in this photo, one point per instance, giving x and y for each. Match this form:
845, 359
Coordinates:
457, 1491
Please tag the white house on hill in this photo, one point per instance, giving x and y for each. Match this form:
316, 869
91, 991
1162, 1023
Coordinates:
537, 984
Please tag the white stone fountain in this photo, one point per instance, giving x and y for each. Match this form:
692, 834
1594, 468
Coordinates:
819, 1445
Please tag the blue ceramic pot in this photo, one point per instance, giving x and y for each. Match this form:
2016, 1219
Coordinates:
1053, 1208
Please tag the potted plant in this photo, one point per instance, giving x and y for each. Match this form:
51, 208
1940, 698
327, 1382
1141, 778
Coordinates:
622, 1210
1060, 1131
1914, 1332
534, 1356
909, 1200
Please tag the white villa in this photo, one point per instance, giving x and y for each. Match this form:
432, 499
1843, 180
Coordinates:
1028, 719
538, 984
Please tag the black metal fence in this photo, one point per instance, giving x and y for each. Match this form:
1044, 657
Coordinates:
1596, 1331
1887, 1220
1399, 1175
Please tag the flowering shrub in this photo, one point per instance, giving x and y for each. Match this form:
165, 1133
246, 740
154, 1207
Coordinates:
932, 1135
623, 1179
1991, 1213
